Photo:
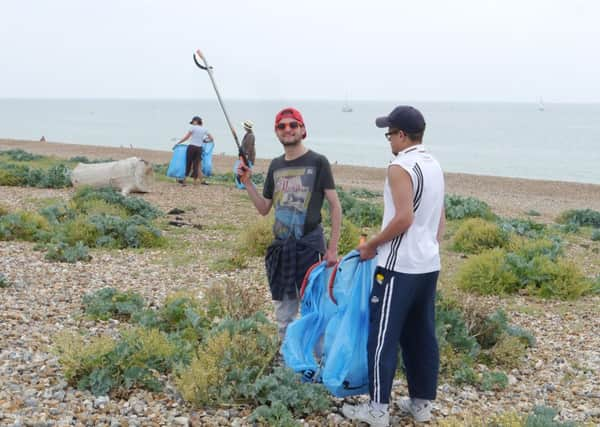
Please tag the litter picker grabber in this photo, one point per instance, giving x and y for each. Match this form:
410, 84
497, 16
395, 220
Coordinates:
208, 69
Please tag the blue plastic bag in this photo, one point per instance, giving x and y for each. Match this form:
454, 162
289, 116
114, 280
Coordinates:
303, 336
345, 368
207, 150
177, 166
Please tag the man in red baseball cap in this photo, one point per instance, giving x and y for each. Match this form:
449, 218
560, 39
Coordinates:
297, 183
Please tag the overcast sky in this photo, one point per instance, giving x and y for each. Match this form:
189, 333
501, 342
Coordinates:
460, 50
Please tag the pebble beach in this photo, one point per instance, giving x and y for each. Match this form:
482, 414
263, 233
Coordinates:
44, 298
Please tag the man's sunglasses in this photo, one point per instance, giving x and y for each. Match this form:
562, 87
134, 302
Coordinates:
292, 125
389, 134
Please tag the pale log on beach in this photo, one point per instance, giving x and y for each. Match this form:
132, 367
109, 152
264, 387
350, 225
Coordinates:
128, 175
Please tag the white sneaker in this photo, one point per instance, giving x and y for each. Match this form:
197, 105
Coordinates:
367, 414
421, 412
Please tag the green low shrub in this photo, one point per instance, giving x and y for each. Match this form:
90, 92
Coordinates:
256, 237
19, 155
108, 366
3, 281
349, 237
476, 234
459, 207
232, 357
580, 217
495, 380
595, 235
4, 210
522, 227
108, 303
135, 206
282, 396
488, 273
508, 352
362, 213
62, 252
543, 416
22, 226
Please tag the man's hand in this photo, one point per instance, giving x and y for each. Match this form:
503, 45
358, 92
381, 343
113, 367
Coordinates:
331, 257
367, 250
244, 172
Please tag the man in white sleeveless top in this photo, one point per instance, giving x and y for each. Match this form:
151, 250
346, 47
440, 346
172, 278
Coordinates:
402, 310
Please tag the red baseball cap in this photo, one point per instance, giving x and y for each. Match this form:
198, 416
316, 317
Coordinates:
290, 113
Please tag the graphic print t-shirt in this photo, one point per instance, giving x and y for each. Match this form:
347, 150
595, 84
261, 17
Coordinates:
297, 188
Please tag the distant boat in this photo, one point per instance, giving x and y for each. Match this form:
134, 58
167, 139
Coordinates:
346, 108
541, 106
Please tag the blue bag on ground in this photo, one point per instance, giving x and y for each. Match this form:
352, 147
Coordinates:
345, 369
303, 336
238, 183
177, 165
207, 150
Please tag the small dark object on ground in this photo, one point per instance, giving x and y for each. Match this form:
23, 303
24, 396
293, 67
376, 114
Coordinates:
175, 211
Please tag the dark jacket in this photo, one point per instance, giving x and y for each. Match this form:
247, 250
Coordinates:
288, 259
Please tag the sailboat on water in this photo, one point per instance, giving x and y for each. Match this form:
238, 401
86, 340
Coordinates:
541, 106
346, 108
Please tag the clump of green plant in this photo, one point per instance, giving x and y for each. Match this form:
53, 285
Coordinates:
84, 159
256, 237
362, 213
3, 210
476, 234
107, 366
19, 155
63, 252
131, 232
349, 236
282, 397
108, 303
543, 416
580, 217
522, 227
3, 281
236, 261
459, 207
595, 235
495, 380
133, 205
233, 356
228, 298
532, 212
535, 266
22, 226
507, 352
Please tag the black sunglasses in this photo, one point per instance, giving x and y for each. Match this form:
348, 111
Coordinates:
389, 134
292, 125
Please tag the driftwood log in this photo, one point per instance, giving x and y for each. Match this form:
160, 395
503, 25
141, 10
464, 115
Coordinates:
128, 175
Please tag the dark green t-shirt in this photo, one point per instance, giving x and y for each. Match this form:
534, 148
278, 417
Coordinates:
297, 188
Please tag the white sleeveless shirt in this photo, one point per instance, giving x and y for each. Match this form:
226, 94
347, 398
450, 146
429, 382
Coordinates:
416, 251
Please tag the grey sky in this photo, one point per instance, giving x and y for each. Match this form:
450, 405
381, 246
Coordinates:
511, 50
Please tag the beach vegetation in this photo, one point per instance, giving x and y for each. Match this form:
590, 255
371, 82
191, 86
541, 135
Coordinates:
362, 213
257, 236
108, 303
532, 212
22, 225
63, 252
580, 217
522, 227
227, 297
460, 207
540, 416
349, 236
595, 235
476, 234
133, 205
84, 159
233, 356
281, 397
3, 281
54, 175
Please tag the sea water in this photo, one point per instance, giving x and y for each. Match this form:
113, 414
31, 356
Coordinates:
560, 142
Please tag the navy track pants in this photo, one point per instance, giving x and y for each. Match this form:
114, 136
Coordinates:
402, 313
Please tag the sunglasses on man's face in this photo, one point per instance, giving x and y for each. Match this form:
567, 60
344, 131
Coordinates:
389, 134
292, 125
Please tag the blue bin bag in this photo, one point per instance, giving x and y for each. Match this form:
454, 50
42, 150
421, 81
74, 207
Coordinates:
207, 150
177, 165
304, 334
238, 183
345, 369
